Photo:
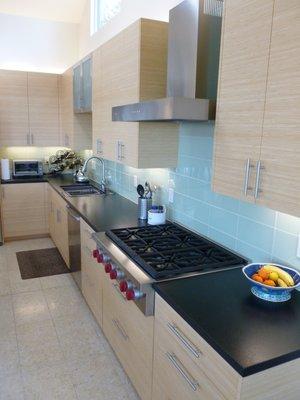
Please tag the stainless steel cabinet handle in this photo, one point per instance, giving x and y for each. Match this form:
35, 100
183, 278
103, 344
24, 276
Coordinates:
58, 216
184, 340
248, 167
32, 139
67, 141
99, 146
257, 190
120, 329
177, 364
122, 147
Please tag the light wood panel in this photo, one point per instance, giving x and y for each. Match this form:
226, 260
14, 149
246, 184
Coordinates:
76, 129
130, 334
241, 95
215, 369
43, 100
92, 273
129, 68
14, 121
280, 155
24, 210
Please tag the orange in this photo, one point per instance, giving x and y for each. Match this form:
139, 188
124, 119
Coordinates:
257, 278
269, 282
263, 273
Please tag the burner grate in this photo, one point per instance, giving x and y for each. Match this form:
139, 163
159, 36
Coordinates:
169, 250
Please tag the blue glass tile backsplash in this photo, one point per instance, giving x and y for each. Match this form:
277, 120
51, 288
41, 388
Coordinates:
258, 233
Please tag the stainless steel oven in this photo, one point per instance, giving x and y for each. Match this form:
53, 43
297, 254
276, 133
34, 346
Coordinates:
74, 245
27, 168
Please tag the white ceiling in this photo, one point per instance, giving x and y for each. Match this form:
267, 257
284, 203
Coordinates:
56, 10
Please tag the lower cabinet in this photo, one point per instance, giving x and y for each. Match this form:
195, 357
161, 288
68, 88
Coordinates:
92, 273
130, 334
58, 223
24, 210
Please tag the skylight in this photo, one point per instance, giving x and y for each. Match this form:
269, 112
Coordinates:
102, 11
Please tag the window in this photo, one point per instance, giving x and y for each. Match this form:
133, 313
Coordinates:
102, 11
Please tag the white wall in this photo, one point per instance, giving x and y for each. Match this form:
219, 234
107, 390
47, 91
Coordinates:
37, 45
131, 11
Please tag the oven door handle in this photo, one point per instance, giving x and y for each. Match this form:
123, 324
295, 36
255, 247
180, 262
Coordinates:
72, 214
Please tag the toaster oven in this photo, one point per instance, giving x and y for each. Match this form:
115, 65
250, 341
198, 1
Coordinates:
27, 168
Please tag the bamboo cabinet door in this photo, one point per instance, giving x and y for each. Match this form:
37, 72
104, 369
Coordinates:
280, 152
241, 95
43, 101
14, 124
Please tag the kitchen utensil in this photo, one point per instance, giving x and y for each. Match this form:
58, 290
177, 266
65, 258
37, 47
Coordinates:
143, 206
271, 293
141, 191
157, 215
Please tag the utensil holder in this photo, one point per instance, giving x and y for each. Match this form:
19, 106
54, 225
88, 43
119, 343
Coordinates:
143, 206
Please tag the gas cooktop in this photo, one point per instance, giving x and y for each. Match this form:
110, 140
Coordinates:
166, 251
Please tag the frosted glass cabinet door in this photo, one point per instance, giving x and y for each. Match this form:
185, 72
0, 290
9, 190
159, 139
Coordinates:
77, 88
87, 85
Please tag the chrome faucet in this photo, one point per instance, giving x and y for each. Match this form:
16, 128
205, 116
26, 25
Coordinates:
84, 169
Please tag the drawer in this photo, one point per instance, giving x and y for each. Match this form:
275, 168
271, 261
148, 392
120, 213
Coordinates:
198, 351
130, 334
175, 376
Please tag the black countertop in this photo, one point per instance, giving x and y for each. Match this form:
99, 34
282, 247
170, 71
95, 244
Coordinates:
250, 334
102, 213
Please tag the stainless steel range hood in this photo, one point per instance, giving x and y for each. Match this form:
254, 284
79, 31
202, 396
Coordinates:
193, 63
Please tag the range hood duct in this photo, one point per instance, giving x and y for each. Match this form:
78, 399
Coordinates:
193, 63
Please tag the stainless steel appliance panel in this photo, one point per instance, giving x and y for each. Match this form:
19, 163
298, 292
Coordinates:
74, 245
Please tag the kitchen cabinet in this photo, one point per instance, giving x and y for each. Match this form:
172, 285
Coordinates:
257, 133
186, 367
130, 334
24, 210
76, 129
92, 273
58, 223
129, 68
43, 105
82, 86
280, 149
14, 118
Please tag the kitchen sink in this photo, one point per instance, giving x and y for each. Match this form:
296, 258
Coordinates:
78, 190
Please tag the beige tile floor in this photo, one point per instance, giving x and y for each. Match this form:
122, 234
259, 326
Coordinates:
51, 348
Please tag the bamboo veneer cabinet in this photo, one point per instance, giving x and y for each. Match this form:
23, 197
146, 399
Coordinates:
130, 67
14, 118
58, 223
24, 210
76, 129
187, 367
257, 138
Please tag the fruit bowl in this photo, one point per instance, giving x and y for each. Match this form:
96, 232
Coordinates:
274, 294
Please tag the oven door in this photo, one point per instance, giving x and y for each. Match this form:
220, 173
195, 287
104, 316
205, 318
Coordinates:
25, 168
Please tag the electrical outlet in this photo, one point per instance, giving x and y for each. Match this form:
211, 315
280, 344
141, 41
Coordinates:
298, 247
171, 195
135, 180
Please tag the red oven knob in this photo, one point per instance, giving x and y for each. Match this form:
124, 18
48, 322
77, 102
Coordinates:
134, 294
123, 285
95, 253
113, 274
108, 268
100, 258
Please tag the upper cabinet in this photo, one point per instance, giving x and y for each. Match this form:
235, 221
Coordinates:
76, 129
82, 86
29, 109
129, 68
14, 118
43, 105
257, 138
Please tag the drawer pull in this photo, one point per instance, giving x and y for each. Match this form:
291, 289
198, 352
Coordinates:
185, 340
177, 364
120, 329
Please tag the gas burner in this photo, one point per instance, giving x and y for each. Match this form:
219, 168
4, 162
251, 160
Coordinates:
170, 250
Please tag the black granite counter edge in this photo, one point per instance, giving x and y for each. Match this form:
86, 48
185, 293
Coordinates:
24, 180
244, 372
